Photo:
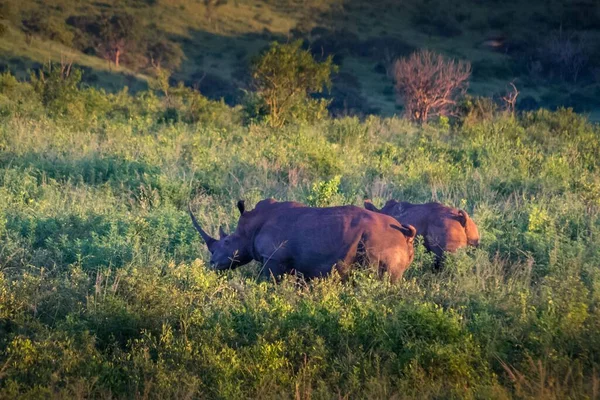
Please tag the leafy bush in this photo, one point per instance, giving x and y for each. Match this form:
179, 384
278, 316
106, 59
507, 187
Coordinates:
39, 24
57, 87
18, 99
161, 52
324, 193
285, 76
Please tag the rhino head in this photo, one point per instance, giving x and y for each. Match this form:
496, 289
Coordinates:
229, 251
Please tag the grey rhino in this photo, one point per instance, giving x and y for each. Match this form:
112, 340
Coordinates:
443, 228
286, 236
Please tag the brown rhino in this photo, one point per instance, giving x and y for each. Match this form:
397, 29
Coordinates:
286, 236
443, 228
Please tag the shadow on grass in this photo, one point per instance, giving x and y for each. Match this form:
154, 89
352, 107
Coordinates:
111, 81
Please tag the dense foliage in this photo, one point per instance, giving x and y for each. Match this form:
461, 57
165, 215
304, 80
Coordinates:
284, 76
104, 290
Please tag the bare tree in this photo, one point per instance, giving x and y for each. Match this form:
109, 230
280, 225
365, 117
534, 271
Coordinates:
566, 53
211, 6
428, 84
510, 98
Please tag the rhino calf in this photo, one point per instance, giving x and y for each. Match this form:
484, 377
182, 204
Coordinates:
443, 228
286, 236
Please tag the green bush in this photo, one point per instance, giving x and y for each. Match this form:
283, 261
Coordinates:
58, 88
285, 76
48, 27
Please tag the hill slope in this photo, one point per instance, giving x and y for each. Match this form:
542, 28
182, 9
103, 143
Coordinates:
505, 42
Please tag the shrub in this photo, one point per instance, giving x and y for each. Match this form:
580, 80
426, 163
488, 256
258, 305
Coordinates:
48, 27
284, 76
428, 84
184, 104
565, 54
18, 99
324, 193
474, 109
58, 88
162, 52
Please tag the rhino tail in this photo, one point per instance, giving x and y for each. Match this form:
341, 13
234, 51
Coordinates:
407, 230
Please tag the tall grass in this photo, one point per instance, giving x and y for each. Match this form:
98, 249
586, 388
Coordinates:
104, 290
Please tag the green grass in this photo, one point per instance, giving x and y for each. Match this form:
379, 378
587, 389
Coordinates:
22, 58
105, 291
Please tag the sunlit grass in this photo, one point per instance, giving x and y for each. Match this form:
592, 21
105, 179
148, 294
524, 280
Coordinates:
105, 292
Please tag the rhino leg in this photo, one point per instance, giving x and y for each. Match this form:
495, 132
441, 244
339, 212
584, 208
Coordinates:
435, 245
392, 262
274, 269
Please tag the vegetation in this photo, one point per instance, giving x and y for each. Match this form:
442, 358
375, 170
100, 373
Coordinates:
117, 34
547, 47
429, 85
105, 292
285, 76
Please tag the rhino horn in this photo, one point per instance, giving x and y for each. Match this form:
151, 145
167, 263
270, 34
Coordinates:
207, 238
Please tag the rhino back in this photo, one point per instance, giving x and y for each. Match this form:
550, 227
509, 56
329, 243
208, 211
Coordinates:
417, 215
314, 239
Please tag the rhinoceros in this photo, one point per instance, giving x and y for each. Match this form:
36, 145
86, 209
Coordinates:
443, 228
286, 236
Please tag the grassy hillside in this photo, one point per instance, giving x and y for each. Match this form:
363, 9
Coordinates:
364, 36
105, 292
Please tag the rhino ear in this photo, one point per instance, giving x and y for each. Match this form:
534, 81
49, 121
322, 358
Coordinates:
222, 233
370, 206
241, 206
390, 203
463, 217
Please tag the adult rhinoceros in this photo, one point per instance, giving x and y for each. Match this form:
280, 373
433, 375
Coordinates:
287, 236
443, 228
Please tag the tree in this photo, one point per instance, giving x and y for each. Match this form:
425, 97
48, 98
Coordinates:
510, 99
162, 53
117, 34
428, 84
285, 76
565, 54
39, 23
211, 6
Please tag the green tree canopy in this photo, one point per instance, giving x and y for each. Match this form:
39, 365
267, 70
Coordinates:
285, 75
118, 33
